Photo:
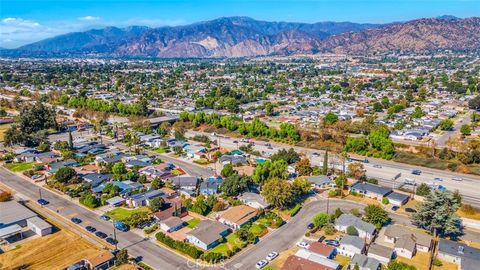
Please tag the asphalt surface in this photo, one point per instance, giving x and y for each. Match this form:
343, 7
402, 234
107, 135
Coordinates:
383, 170
151, 253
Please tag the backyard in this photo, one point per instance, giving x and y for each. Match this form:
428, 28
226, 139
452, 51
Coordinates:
3, 128
192, 223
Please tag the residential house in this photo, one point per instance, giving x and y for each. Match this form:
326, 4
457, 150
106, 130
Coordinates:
423, 241
144, 198
153, 172
318, 259
466, 257
405, 246
95, 179
233, 159
351, 245
254, 200
294, 262
381, 253
370, 190
116, 201
210, 185
185, 182
100, 261
321, 181
171, 207
236, 216
109, 157
364, 262
171, 224
397, 198
124, 186
52, 168
195, 151
323, 250
207, 234
365, 229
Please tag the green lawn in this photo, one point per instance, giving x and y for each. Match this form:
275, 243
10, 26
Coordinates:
161, 150
269, 267
122, 213
233, 240
192, 223
3, 128
19, 167
257, 229
222, 248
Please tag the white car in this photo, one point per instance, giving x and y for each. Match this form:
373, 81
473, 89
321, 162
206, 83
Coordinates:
457, 179
261, 264
272, 255
303, 244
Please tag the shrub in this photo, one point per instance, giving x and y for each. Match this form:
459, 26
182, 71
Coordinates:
151, 229
213, 257
468, 209
352, 230
437, 262
329, 229
5, 196
333, 193
294, 210
307, 234
89, 200
180, 246
65, 174
385, 200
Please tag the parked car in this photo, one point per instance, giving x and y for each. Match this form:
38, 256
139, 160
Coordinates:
316, 154
310, 226
410, 210
416, 172
303, 244
457, 179
235, 141
272, 255
111, 241
105, 217
438, 179
395, 208
377, 166
90, 229
76, 220
120, 226
261, 264
333, 243
101, 234
42, 202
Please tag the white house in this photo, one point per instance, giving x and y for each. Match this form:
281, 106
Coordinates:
171, 224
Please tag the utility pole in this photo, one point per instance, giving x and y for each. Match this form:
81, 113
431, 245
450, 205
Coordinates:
115, 235
40, 192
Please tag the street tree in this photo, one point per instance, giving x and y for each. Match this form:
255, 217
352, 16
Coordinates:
277, 192
376, 215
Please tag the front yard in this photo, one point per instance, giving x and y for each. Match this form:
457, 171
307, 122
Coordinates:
192, 223
19, 167
232, 241
123, 213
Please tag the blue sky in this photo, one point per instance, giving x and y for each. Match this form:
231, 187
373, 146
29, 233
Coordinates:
26, 21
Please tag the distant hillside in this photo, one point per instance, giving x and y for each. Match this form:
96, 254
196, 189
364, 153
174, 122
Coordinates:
243, 36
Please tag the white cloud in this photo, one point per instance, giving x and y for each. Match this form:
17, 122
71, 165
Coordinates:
18, 22
89, 18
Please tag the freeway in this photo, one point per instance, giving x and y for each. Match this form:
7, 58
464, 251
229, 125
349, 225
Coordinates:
383, 170
151, 253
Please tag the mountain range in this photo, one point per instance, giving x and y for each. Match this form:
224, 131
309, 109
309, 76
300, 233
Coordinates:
243, 36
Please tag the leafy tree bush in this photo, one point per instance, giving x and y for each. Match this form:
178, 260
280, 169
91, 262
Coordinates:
376, 215
423, 190
290, 156
89, 200
65, 174
352, 230
321, 220
185, 248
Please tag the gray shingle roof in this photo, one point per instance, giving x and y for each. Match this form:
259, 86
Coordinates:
359, 224
370, 188
365, 262
208, 231
353, 241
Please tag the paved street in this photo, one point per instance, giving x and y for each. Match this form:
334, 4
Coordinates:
152, 254
469, 187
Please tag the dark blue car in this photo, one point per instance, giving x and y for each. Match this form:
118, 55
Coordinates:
42, 202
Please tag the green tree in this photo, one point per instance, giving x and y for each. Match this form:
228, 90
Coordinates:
277, 192
351, 230
304, 168
446, 124
301, 186
65, 174
156, 204
234, 185
325, 163
438, 213
290, 156
423, 190
321, 219
157, 183
121, 257
466, 130
227, 170
119, 168
376, 215
330, 118
70, 140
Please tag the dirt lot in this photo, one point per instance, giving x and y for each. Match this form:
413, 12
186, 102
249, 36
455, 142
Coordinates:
54, 251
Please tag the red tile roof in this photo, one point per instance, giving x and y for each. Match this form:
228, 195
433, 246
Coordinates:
321, 248
296, 263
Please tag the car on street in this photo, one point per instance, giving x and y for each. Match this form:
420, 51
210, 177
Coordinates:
457, 179
310, 226
120, 226
441, 188
101, 234
235, 141
395, 208
261, 264
105, 217
333, 243
111, 241
303, 244
272, 255
377, 166
438, 179
416, 172
316, 154
42, 202
76, 220
410, 210
90, 229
